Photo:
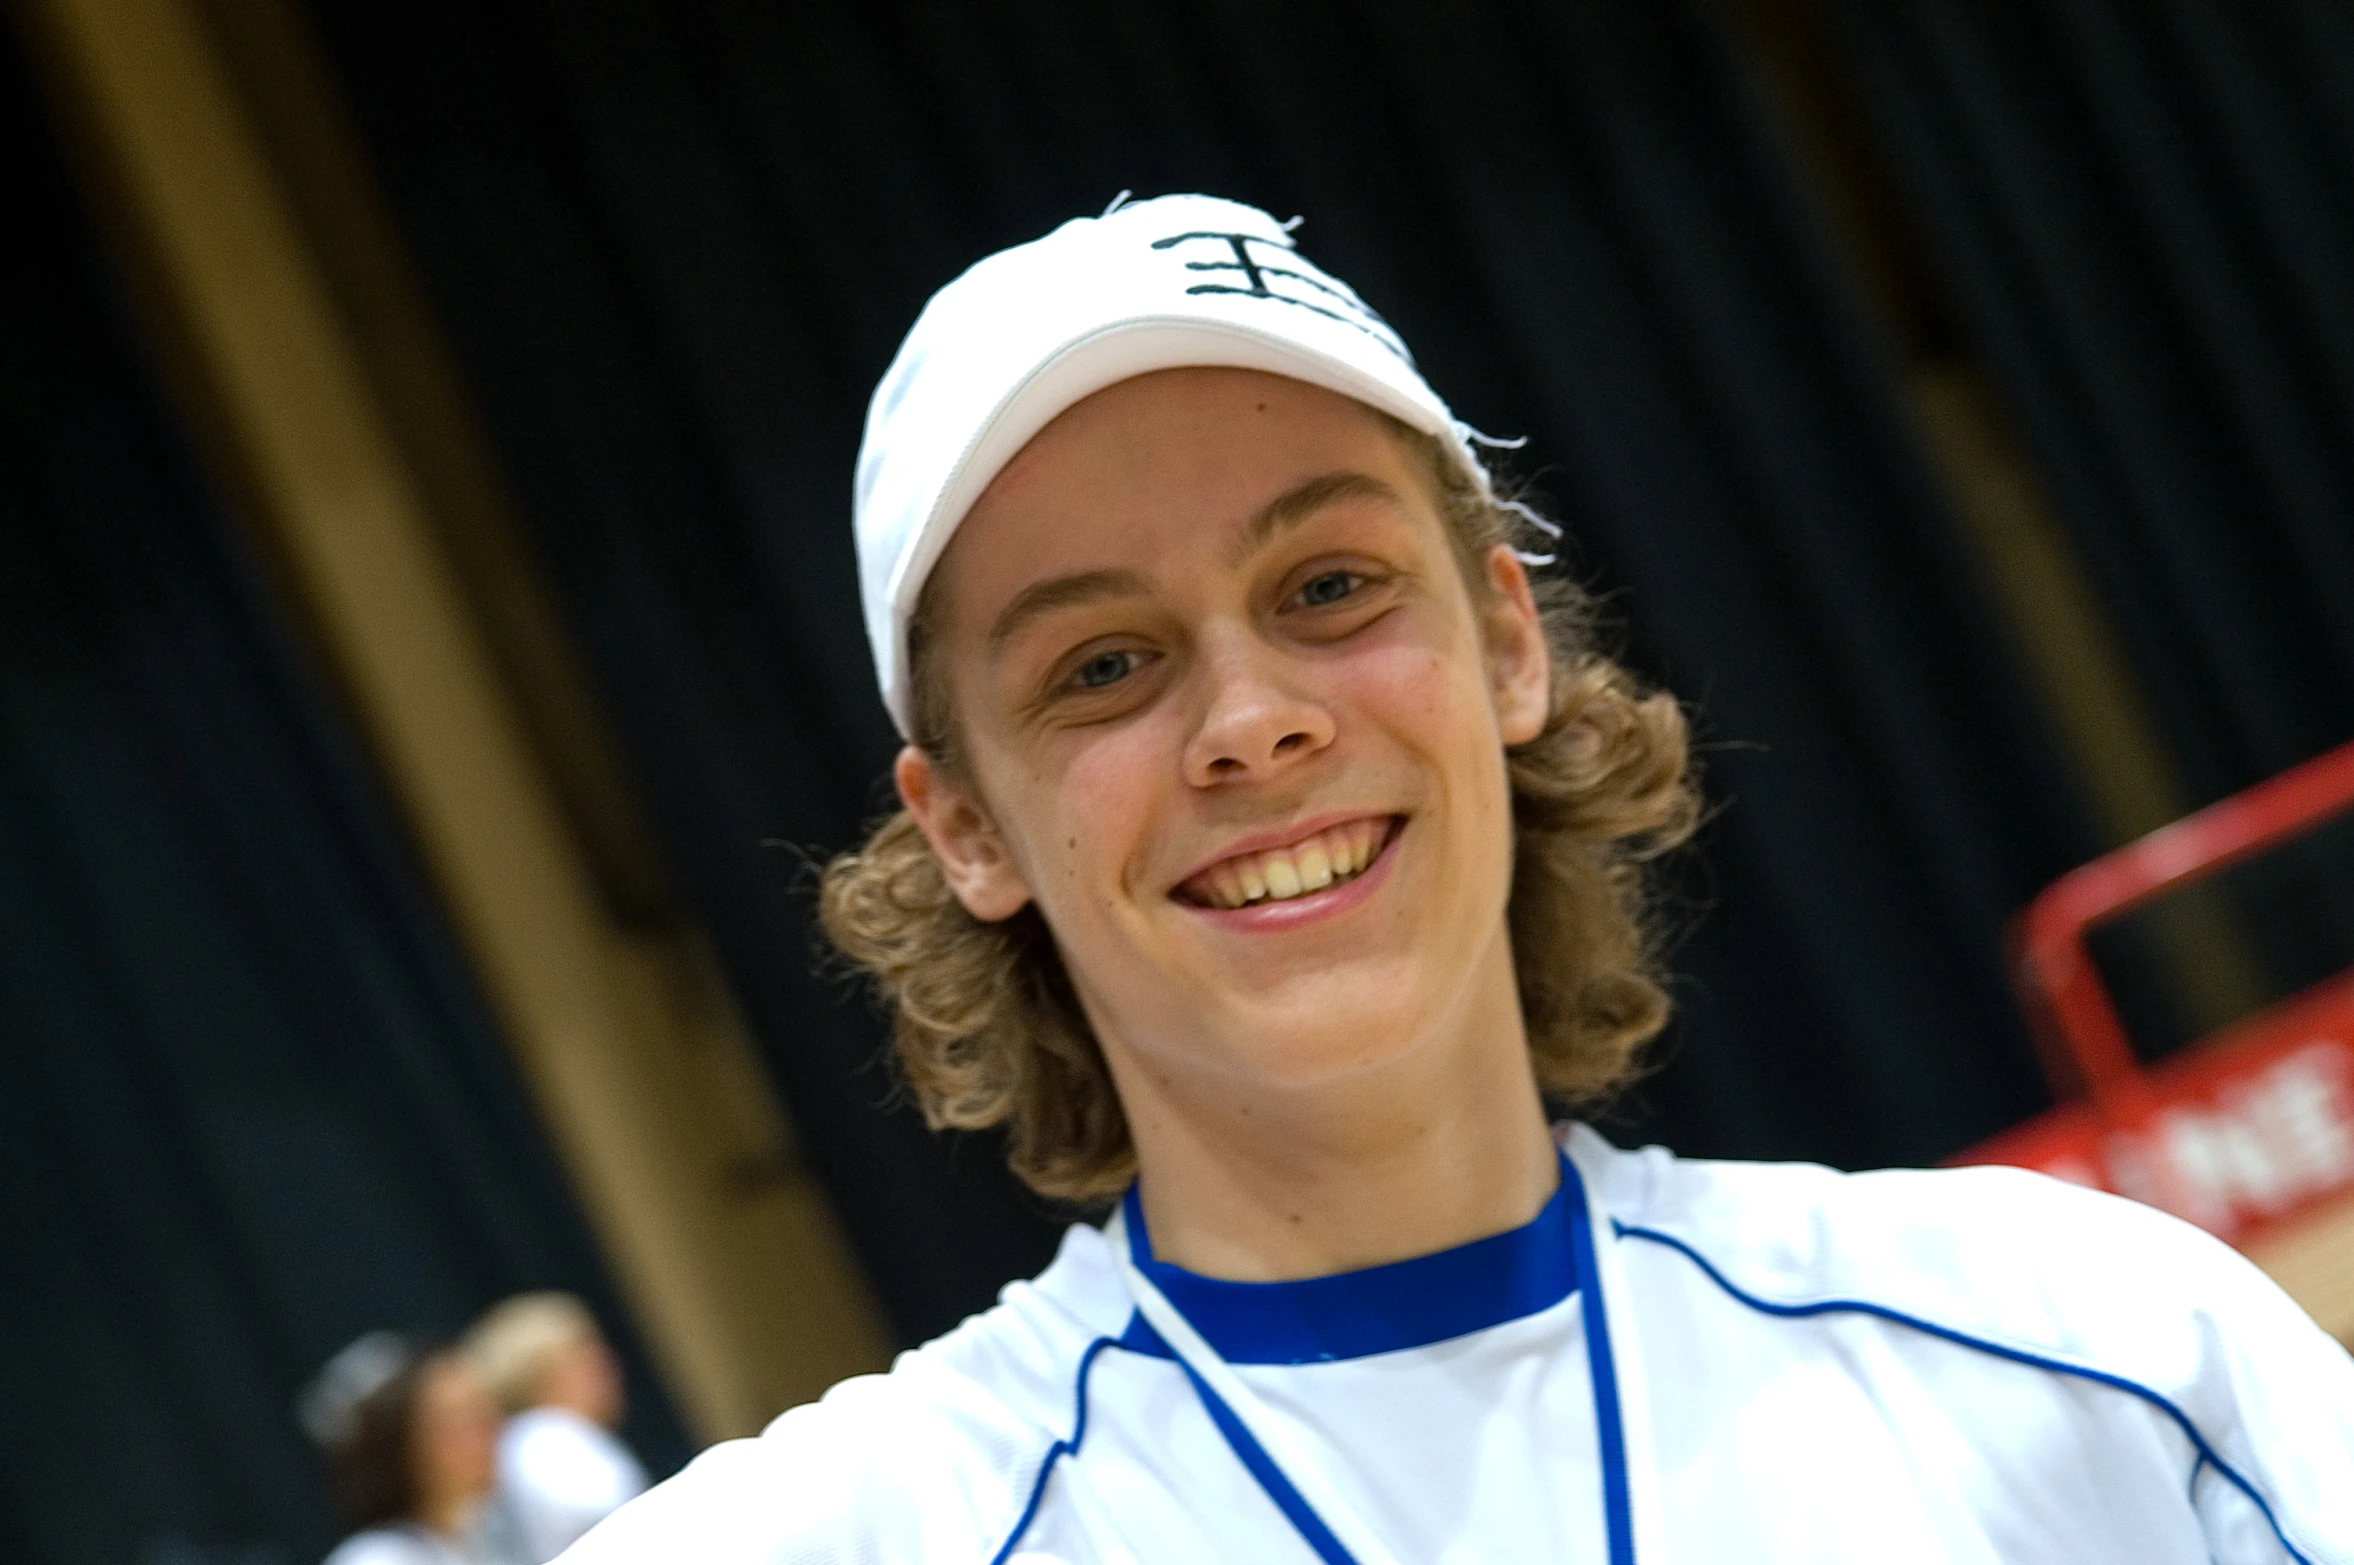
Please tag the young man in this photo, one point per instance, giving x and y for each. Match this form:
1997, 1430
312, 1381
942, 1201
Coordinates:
1272, 852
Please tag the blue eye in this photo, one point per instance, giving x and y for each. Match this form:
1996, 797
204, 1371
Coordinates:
1105, 668
1328, 588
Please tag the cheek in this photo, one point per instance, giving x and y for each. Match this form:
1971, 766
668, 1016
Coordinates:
1434, 706
1106, 792
1428, 696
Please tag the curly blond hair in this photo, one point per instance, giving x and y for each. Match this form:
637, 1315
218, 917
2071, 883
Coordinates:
988, 1031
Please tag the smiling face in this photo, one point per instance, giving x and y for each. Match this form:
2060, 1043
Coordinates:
1230, 714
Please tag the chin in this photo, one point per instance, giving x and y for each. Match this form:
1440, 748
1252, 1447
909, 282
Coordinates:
1330, 1038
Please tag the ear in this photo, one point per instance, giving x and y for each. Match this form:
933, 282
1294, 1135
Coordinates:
964, 839
1520, 659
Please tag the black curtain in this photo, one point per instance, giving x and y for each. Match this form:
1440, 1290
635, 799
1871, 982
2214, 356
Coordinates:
2146, 209
676, 241
250, 1104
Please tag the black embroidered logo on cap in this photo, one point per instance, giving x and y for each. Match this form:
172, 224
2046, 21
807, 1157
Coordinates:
1265, 277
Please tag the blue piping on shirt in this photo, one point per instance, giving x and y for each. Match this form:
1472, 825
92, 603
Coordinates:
1532, 1287
1271, 1478
1055, 1452
1140, 1338
2156, 1399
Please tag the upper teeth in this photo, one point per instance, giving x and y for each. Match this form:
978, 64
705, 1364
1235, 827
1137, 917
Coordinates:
1336, 853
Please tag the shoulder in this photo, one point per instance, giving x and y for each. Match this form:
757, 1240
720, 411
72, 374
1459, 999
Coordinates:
551, 1455
2016, 1265
557, 1434
387, 1546
2000, 1252
1986, 1282
547, 1428
932, 1460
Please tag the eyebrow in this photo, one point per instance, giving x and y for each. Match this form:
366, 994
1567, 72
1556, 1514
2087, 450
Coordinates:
1061, 592
1287, 509
1301, 501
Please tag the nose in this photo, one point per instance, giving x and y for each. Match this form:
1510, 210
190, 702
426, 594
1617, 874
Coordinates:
1257, 722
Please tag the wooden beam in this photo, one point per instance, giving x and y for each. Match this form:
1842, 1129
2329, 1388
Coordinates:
650, 1088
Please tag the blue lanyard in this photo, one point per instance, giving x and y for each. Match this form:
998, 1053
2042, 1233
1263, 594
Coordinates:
1610, 1432
1618, 1511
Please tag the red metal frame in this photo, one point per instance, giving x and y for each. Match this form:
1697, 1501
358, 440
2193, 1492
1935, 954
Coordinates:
2123, 1111
2056, 969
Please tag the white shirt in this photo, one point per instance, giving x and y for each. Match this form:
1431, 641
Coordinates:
559, 1475
410, 1545
1677, 1361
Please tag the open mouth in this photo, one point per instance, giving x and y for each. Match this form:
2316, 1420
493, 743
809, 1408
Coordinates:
1314, 863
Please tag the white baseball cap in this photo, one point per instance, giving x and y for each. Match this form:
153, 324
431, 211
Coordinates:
1027, 332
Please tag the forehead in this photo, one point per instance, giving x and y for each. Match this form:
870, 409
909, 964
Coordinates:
1186, 455
1166, 407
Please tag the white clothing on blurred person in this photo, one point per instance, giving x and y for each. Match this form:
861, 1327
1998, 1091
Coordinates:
559, 1475
412, 1545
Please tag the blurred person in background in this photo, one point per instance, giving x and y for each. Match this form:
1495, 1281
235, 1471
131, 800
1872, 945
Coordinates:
561, 1467
411, 1436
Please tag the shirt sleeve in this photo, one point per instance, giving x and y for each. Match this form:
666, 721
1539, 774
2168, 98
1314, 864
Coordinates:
559, 1475
2277, 1480
853, 1479
2265, 1397
2079, 1283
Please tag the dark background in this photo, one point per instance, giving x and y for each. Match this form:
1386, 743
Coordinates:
249, 1100
251, 1103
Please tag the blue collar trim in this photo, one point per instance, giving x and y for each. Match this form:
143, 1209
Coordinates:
1382, 1309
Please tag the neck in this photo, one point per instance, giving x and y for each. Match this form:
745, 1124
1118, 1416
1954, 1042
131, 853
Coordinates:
1441, 1144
